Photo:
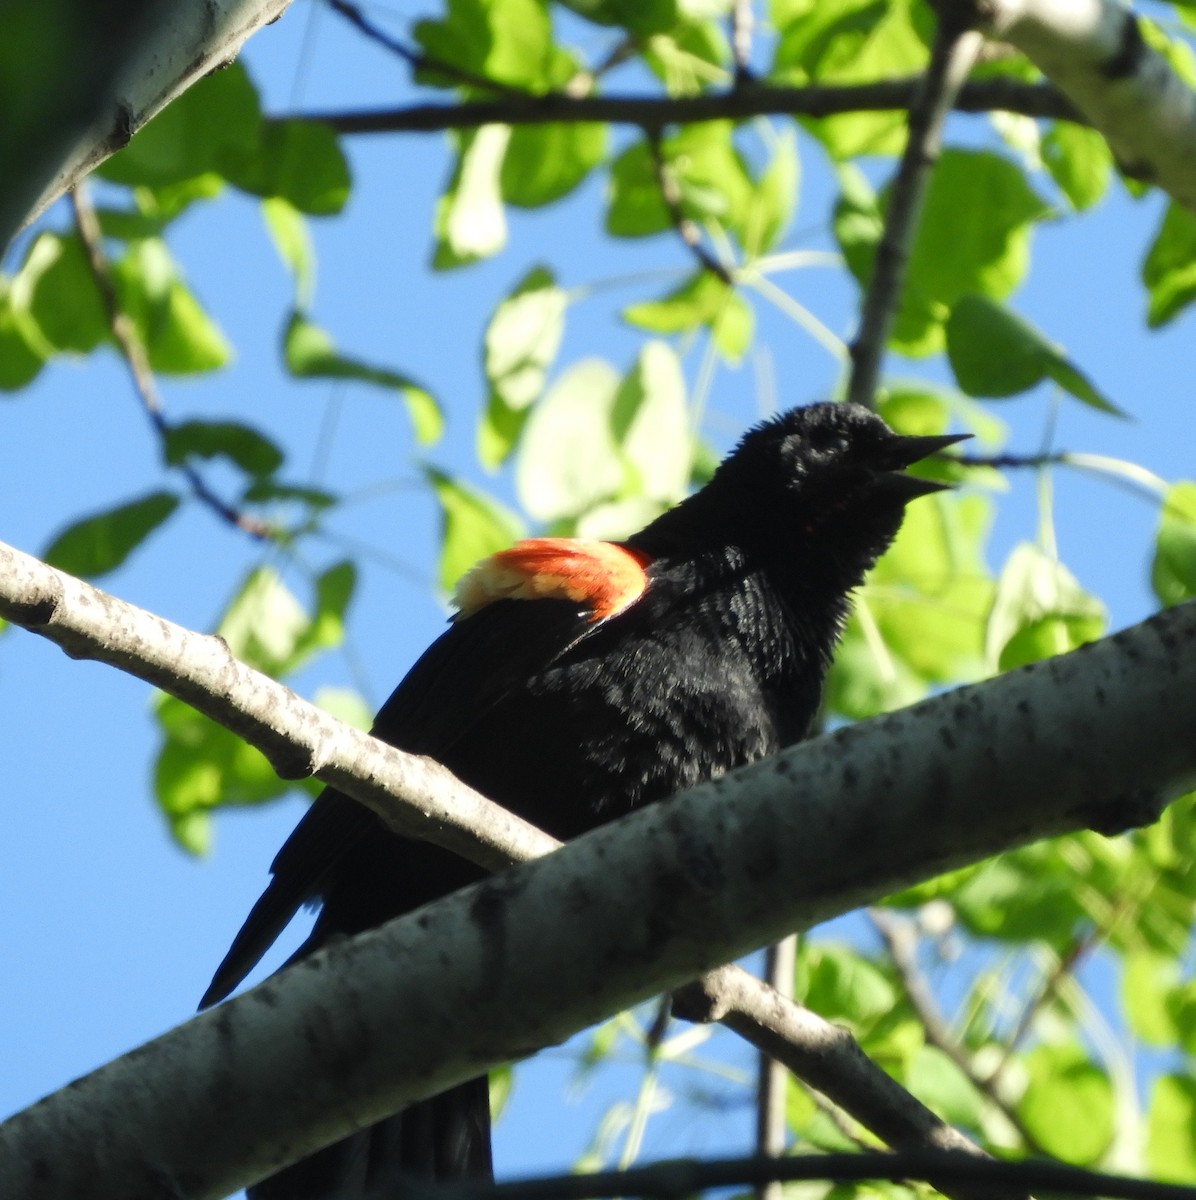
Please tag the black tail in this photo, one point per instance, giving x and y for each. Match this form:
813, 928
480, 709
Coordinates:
444, 1137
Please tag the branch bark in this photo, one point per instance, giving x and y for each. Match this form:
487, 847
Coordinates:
108, 68
1094, 52
1098, 738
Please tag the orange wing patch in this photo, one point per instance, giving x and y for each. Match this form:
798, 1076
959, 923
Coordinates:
601, 576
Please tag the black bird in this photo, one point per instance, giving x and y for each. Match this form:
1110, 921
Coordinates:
582, 679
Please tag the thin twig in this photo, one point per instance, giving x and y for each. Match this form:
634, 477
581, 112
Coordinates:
982, 96
132, 350
1065, 967
416, 59
827, 1059
773, 1079
687, 229
681, 1178
901, 942
951, 59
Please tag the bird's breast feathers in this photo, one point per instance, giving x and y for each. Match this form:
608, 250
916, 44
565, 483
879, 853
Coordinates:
604, 578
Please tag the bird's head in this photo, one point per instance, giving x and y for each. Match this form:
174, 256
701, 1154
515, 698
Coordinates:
824, 484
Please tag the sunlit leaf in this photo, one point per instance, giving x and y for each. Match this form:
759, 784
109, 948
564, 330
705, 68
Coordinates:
545, 162
1170, 1147
292, 240
1173, 571
521, 342
1169, 271
1079, 161
310, 353
1039, 610
100, 543
473, 526
470, 222
568, 458
1068, 1106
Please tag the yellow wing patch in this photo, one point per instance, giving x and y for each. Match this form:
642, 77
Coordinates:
600, 576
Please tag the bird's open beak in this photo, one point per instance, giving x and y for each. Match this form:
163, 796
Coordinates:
903, 452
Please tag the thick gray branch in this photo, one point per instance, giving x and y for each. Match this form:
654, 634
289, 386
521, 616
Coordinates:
298, 738
108, 67
1098, 738
89, 623
1094, 53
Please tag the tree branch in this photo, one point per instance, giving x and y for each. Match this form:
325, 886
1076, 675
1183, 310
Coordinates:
676, 1180
415, 796
687, 230
1094, 52
1100, 737
118, 74
951, 58
1034, 100
128, 342
901, 942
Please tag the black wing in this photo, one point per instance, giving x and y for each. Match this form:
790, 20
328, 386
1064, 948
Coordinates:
458, 680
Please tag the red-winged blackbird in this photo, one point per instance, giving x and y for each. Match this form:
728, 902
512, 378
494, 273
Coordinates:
580, 680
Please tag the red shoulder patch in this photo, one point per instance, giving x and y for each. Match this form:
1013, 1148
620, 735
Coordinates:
601, 576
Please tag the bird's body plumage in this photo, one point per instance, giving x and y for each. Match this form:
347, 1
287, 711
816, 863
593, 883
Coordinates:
572, 708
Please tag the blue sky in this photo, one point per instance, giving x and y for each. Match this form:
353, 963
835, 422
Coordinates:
110, 932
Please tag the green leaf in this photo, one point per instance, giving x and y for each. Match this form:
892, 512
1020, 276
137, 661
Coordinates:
943, 1087
775, 197
334, 590
634, 205
851, 41
1028, 894
644, 18
650, 424
55, 287
473, 526
179, 337
568, 458
545, 162
241, 444
202, 766
920, 619
1173, 571
470, 222
217, 117
704, 299
21, 346
266, 626
297, 161
345, 705
1148, 984
1040, 610
291, 238
506, 40
688, 56
310, 353
842, 986
996, 353
100, 543
977, 203
709, 172
1169, 271
1079, 162
520, 344
1068, 1105
265, 490
1170, 1147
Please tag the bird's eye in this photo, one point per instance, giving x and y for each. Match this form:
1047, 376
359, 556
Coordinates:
826, 441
